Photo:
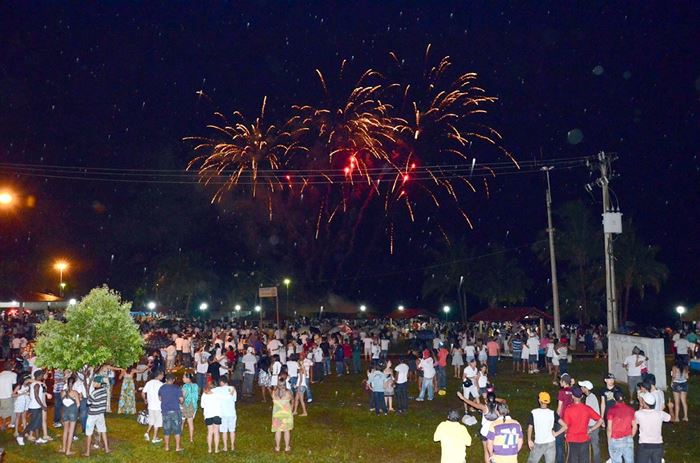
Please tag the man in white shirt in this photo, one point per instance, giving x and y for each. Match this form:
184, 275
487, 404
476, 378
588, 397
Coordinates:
533, 346
152, 401
273, 347
179, 341
650, 421
249, 360
470, 373
384, 345
187, 351
401, 390
427, 366
542, 421
682, 347
8, 379
201, 360
633, 365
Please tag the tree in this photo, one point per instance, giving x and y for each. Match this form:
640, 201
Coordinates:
98, 331
636, 268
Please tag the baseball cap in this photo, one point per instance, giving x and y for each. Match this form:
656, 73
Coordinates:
98, 379
609, 376
544, 397
576, 392
649, 399
587, 384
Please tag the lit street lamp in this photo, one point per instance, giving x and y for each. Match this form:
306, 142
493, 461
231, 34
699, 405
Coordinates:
7, 198
680, 310
237, 307
401, 308
446, 309
203, 306
258, 308
151, 305
72, 302
363, 308
61, 266
287, 282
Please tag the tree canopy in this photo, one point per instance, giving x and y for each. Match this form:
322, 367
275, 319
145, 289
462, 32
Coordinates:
97, 331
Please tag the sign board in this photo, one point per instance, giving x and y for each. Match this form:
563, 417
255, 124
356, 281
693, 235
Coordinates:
620, 347
268, 292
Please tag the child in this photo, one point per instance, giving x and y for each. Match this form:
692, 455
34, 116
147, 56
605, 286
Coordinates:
21, 395
482, 380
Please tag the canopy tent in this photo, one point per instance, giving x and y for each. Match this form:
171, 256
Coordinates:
510, 314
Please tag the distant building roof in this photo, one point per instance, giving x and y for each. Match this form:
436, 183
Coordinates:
409, 313
30, 296
509, 314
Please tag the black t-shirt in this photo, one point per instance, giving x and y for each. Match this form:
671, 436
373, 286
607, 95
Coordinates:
325, 347
609, 396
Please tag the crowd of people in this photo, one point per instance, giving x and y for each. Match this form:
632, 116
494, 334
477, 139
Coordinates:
213, 365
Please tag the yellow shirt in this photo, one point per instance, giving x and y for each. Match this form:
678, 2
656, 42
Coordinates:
454, 438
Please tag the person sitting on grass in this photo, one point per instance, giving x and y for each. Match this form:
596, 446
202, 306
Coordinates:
454, 439
97, 407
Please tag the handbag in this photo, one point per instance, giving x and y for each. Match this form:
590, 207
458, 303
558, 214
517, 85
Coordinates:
142, 417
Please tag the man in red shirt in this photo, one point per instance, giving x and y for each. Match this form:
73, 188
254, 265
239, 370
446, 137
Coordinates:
576, 417
621, 429
493, 349
442, 365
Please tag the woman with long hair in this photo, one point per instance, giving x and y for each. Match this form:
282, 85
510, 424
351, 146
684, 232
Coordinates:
127, 396
282, 416
301, 386
489, 414
679, 385
211, 409
190, 395
71, 402
264, 378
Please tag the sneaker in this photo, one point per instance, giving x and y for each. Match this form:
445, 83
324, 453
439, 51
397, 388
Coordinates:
40, 440
57, 425
75, 438
20, 440
308, 401
146, 436
156, 441
419, 399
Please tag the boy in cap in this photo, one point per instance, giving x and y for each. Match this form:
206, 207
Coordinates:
544, 422
453, 438
649, 420
577, 416
607, 397
97, 407
592, 401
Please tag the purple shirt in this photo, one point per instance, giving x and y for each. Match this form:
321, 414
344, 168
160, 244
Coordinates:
169, 398
504, 435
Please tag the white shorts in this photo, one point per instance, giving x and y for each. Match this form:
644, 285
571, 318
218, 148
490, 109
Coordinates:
470, 392
21, 404
155, 418
95, 422
228, 424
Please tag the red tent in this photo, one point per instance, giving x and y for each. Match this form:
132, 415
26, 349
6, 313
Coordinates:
509, 314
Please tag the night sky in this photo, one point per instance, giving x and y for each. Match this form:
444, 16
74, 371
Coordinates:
116, 86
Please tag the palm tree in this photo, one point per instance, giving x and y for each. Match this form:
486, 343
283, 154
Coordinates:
636, 267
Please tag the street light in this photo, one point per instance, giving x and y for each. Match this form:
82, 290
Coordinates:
237, 307
151, 305
72, 302
258, 308
363, 308
680, 310
401, 308
7, 198
446, 309
203, 306
287, 282
61, 266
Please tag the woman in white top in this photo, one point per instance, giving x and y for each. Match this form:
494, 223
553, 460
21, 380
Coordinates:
275, 370
300, 389
211, 409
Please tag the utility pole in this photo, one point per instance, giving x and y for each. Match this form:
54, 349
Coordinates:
612, 224
552, 258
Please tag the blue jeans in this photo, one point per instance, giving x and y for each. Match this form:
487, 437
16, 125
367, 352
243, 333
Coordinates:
356, 362
621, 448
426, 387
83, 414
492, 363
379, 402
58, 408
442, 377
339, 367
309, 395
326, 366
201, 381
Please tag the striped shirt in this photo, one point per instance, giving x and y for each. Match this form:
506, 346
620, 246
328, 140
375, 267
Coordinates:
97, 401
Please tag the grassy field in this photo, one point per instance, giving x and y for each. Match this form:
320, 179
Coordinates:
340, 428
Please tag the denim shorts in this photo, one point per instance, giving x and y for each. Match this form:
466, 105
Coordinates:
70, 413
172, 423
679, 387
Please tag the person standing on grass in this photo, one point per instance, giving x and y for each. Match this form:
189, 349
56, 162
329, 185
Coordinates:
505, 437
493, 349
389, 386
633, 364
427, 366
58, 382
356, 356
607, 396
577, 417
442, 354
543, 422
533, 346
592, 401
249, 360
227, 397
97, 407
211, 409
488, 415
516, 344
679, 385
457, 361
302, 382
36, 407
650, 421
70, 400
376, 384
8, 379
201, 360
127, 395
149, 394
190, 395
401, 390
171, 399
621, 428
454, 439
282, 416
